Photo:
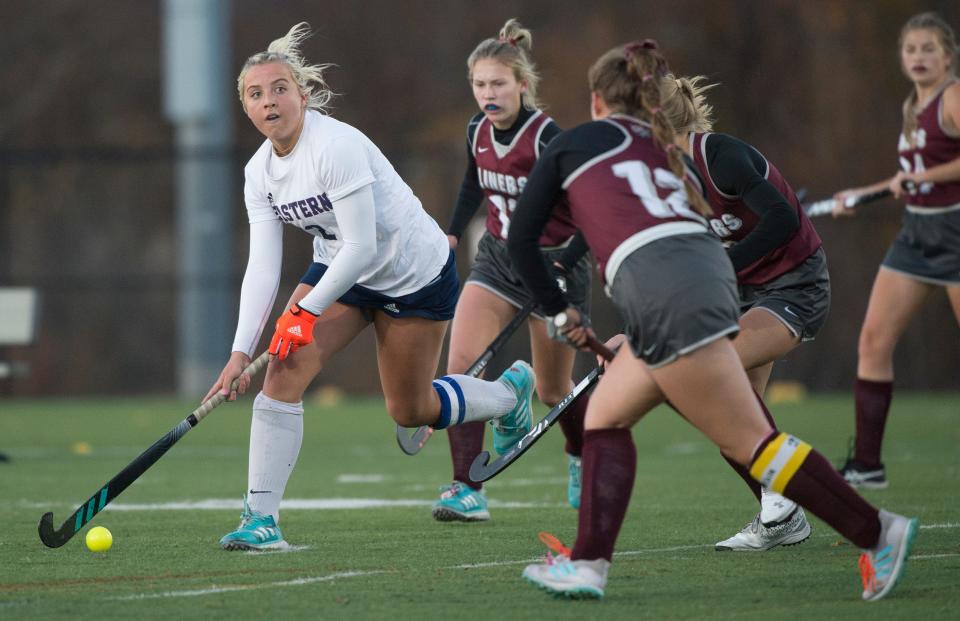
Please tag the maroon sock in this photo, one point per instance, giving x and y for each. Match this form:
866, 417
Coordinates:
819, 488
609, 468
572, 425
466, 442
745, 475
743, 471
872, 403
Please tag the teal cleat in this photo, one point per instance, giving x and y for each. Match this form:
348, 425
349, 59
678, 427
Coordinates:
882, 566
256, 532
574, 480
560, 576
461, 503
512, 426
572, 579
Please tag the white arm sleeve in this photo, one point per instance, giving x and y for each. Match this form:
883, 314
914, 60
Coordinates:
357, 221
260, 283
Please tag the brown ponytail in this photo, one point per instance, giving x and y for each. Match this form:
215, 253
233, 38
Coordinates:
628, 78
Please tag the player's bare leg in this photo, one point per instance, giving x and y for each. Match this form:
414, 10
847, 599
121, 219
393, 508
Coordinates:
408, 351
953, 294
734, 423
762, 339
408, 354
894, 301
334, 329
479, 317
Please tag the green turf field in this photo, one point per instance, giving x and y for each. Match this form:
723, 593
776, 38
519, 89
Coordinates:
393, 562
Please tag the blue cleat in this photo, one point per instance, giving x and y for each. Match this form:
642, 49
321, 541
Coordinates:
574, 480
256, 532
461, 503
509, 428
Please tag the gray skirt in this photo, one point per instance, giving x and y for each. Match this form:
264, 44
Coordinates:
493, 271
800, 298
927, 248
675, 295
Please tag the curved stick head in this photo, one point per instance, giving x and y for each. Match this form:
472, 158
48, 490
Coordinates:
412, 444
47, 535
478, 469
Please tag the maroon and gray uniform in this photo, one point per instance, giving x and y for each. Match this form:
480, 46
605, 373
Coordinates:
502, 172
777, 254
927, 247
668, 277
498, 165
734, 219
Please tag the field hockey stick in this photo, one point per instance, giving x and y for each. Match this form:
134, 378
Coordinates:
412, 444
482, 469
102, 497
821, 208
825, 206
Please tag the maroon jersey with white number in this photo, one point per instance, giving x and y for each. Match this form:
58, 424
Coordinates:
733, 220
931, 146
627, 197
502, 172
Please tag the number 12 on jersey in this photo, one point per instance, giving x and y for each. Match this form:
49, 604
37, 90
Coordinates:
644, 185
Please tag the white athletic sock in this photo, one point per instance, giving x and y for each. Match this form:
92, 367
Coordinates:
275, 437
774, 508
464, 399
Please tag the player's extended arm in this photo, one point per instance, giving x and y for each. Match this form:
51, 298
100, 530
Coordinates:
356, 219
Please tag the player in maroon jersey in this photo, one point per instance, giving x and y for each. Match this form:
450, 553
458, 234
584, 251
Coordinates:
504, 141
676, 292
926, 253
781, 272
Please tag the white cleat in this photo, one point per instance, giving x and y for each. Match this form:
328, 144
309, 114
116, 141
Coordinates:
757, 537
574, 579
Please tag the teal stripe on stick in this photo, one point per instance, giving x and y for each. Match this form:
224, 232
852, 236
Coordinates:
90, 512
103, 499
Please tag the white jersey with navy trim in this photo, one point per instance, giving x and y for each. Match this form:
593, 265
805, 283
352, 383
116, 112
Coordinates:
330, 161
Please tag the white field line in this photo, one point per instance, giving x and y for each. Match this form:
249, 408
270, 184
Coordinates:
250, 587
361, 478
327, 504
354, 574
314, 504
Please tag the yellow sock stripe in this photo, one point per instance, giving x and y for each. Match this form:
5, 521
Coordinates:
779, 461
759, 467
793, 464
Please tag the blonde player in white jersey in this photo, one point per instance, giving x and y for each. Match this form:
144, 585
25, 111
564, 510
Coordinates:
378, 258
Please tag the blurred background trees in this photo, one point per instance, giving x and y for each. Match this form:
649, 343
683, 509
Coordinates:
87, 157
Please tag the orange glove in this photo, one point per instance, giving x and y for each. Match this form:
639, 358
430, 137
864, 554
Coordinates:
294, 328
